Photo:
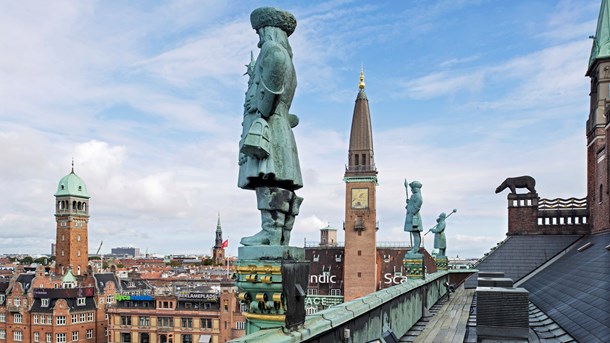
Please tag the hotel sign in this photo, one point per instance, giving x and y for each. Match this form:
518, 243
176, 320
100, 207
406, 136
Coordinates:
65, 293
323, 300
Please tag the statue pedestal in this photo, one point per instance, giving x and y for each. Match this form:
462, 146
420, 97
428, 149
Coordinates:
414, 266
442, 262
272, 282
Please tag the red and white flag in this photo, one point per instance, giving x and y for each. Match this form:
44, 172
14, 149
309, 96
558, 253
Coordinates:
225, 244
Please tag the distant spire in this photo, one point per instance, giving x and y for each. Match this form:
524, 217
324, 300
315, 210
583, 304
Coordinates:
361, 160
218, 226
72, 164
361, 84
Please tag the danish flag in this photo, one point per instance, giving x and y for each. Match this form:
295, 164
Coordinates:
225, 244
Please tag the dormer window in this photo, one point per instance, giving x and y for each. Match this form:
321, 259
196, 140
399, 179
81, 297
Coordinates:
44, 302
62, 187
80, 301
80, 188
131, 284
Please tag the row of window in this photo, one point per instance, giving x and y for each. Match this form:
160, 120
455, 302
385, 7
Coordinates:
206, 323
59, 337
60, 320
314, 291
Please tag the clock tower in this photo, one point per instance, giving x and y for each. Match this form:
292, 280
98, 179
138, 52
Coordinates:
72, 218
360, 268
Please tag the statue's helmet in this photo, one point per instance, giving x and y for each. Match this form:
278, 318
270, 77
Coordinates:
269, 16
415, 184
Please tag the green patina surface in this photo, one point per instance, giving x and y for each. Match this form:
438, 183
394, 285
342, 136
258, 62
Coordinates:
73, 185
398, 308
601, 42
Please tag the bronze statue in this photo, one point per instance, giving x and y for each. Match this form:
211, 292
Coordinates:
413, 223
440, 242
518, 182
268, 161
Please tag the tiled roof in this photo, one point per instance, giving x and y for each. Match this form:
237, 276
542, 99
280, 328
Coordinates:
519, 255
575, 290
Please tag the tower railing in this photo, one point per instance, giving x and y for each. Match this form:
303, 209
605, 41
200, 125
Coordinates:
361, 167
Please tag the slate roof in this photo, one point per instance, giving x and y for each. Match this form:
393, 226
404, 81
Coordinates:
26, 280
102, 278
517, 256
575, 290
72, 304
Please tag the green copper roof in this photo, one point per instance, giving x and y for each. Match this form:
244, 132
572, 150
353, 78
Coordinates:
601, 41
71, 184
69, 276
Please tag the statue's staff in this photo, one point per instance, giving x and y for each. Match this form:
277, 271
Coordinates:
452, 212
407, 193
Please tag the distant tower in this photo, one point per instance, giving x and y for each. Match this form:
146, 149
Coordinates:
328, 237
360, 226
218, 251
72, 217
598, 128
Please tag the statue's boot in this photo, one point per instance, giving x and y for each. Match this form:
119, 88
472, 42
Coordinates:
273, 203
295, 205
416, 242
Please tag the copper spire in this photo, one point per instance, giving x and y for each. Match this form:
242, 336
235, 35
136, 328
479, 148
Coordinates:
360, 157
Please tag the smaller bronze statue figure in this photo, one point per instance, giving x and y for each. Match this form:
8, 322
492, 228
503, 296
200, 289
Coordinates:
440, 242
413, 223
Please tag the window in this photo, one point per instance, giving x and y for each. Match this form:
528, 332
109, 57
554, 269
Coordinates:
89, 333
243, 308
311, 310
90, 316
74, 318
49, 337
206, 323
187, 322
18, 319
207, 306
188, 338
75, 335
125, 320
240, 325
18, 336
167, 322
2, 299
2, 317
335, 291
62, 253
2, 334
80, 301
78, 253
110, 299
359, 252
60, 337
44, 302
60, 320
312, 291
37, 319
36, 336
17, 301
359, 274
144, 321
49, 320
125, 337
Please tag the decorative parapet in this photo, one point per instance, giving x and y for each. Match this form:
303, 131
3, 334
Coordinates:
529, 214
367, 318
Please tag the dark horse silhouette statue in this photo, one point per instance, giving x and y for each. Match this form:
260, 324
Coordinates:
518, 182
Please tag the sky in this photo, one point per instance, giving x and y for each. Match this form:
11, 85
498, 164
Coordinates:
147, 98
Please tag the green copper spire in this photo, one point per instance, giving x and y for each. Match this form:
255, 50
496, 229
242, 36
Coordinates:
601, 40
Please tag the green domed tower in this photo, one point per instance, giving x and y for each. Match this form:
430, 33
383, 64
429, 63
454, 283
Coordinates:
72, 217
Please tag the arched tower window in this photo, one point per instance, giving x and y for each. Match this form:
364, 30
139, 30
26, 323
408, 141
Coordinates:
74, 205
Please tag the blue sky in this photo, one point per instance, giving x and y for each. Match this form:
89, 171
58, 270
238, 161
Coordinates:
147, 97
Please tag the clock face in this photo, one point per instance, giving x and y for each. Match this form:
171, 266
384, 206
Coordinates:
360, 198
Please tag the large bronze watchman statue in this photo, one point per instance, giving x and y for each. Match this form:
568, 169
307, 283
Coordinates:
268, 157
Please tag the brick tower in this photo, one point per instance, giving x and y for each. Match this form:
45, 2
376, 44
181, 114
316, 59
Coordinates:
218, 251
598, 128
360, 269
72, 217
